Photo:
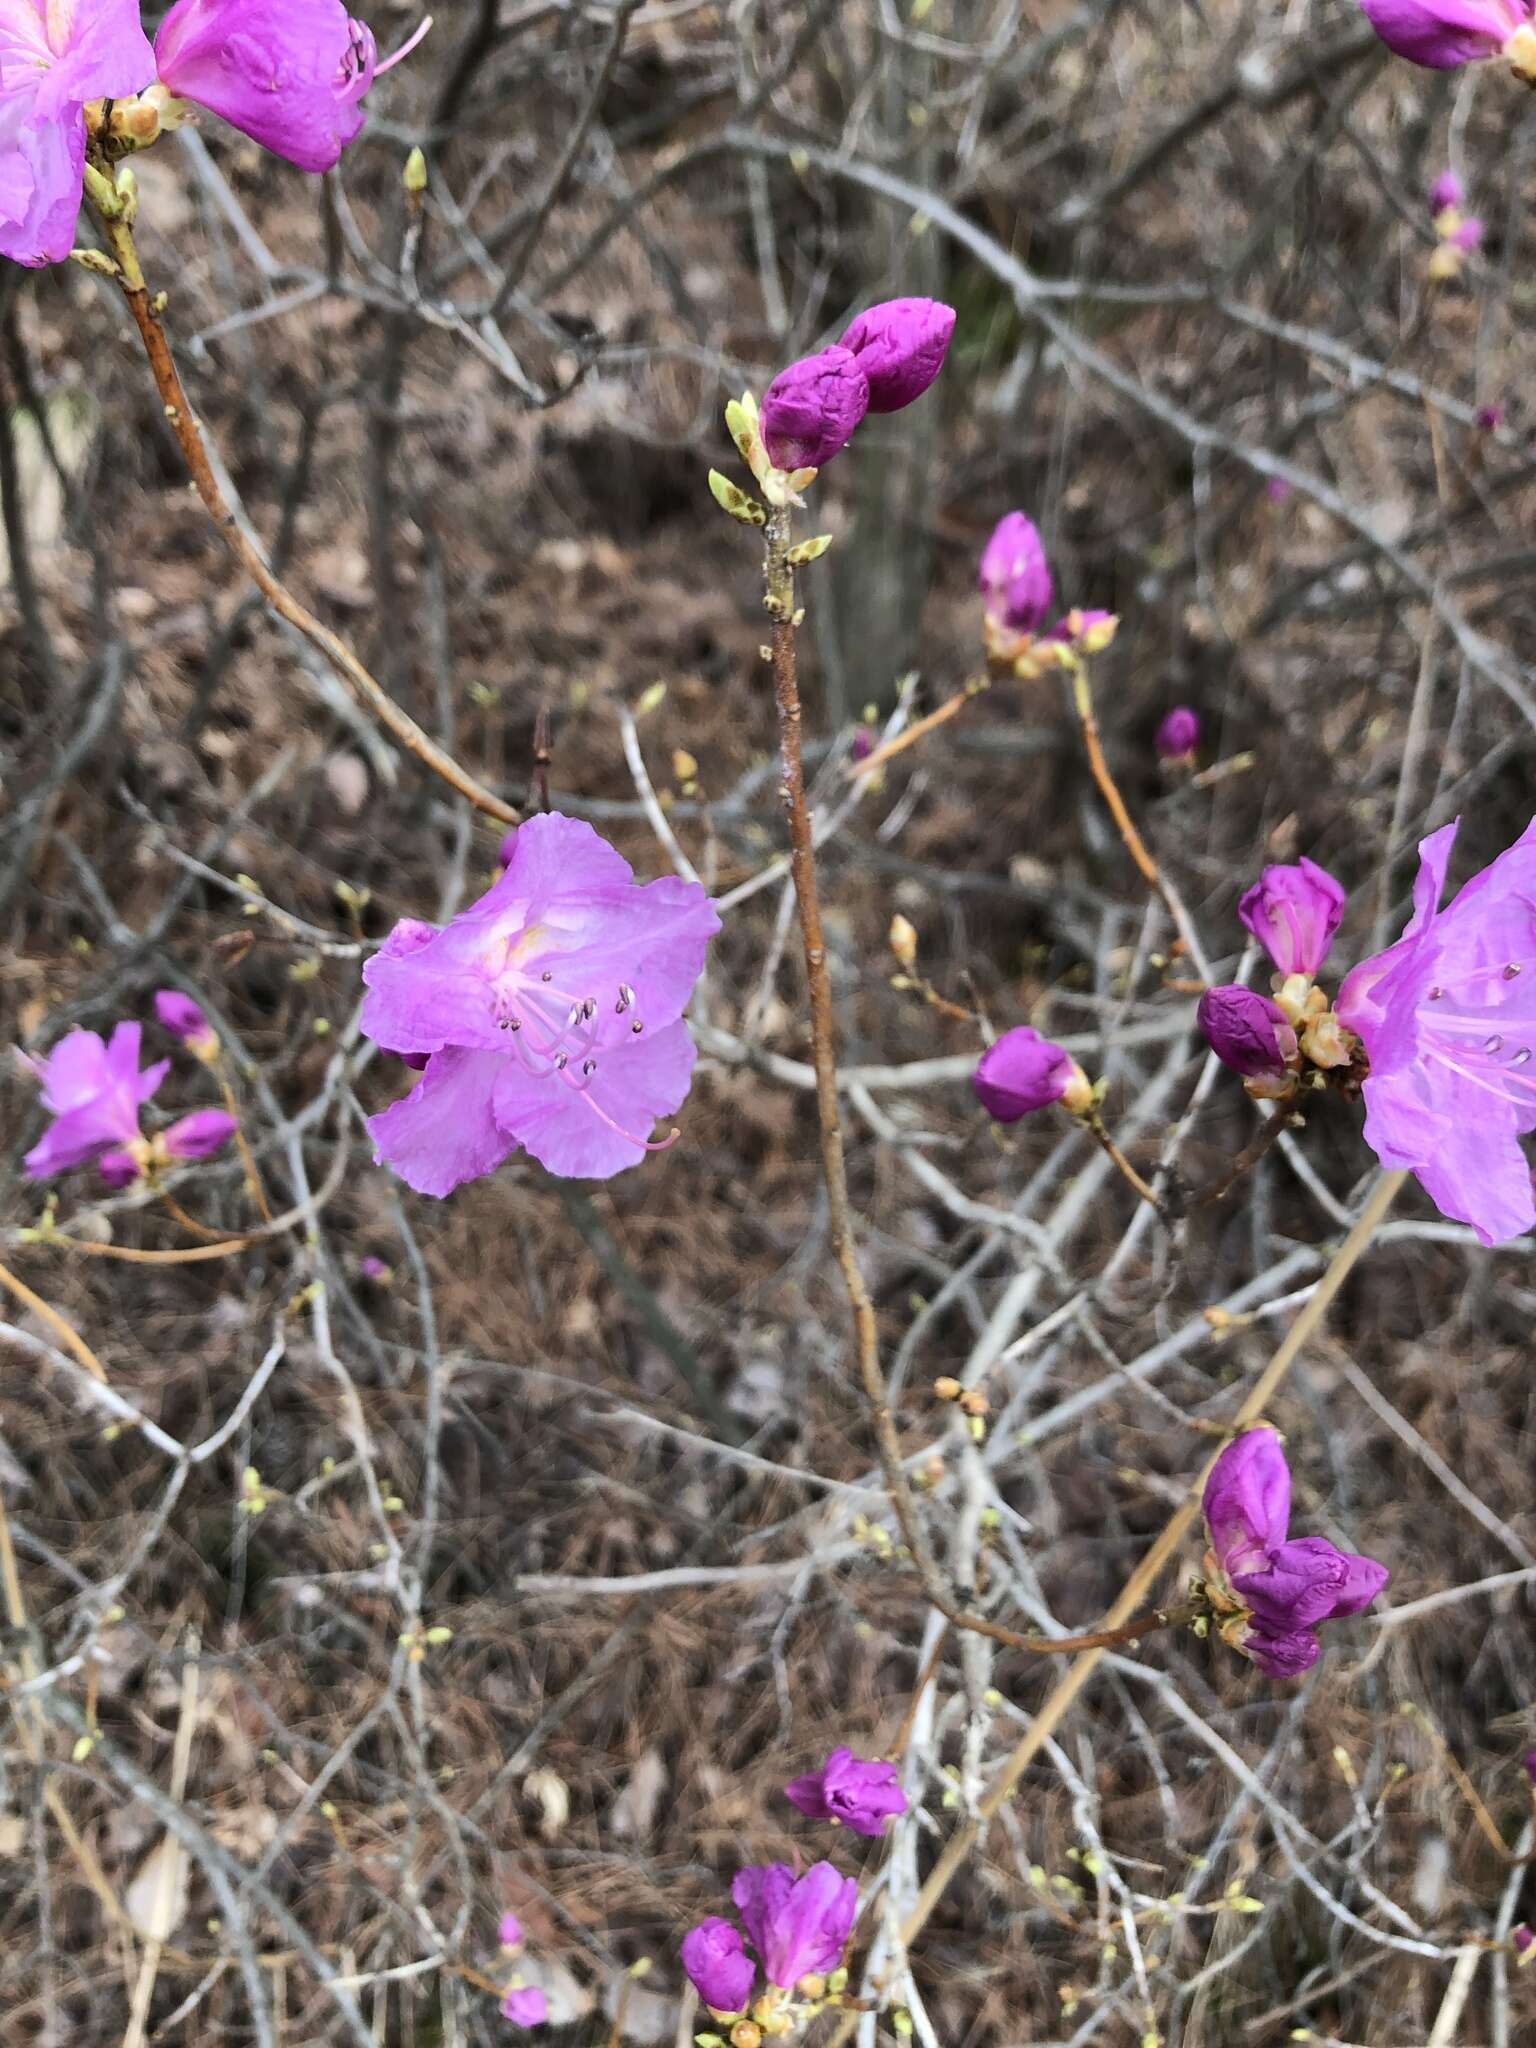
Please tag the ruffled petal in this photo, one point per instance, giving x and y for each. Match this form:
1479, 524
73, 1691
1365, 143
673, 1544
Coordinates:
597, 1132
444, 1133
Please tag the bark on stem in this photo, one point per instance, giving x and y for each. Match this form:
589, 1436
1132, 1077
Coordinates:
779, 598
147, 317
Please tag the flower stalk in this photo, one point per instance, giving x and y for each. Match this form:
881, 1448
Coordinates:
113, 197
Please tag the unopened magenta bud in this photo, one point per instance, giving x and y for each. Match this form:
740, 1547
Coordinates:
862, 744
525, 2006
509, 1929
1247, 1032
718, 1965
186, 1020
1523, 1939
119, 1169
1447, 190
1014, 576
1442, 34
1178, 735
1024, 1072
900, 346
199, 1135
1277, 490
1488, 418
811, 408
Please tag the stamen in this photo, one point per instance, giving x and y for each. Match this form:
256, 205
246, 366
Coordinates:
1517, 1088
626, 999
404, 50
1521, 1056
637, 1027
1511, 972
1493, 1044
646, 1145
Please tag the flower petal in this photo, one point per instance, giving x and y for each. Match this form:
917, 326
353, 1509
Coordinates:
573, 1133
444, 1133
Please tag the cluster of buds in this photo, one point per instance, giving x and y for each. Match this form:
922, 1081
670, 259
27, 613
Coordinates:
797, 1925
1292, 1038
887, 357
1457, 234
1014, 577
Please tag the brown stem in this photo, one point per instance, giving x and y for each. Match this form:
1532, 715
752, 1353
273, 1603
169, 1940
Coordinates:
247, 1156
1100, 1133
1128, 1631
779, 599
919, 729
147, 317
1247, 1159
66, 1333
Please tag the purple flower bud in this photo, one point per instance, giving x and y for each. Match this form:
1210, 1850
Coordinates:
1293, 912
797, 1925
1447, 190
199, 1135
525, 2006
186, 1020
810, 409
1091, 631
900, 346
1467, 234
373, 1268
849, 1792
1178, 735
1441, 34
1024, 1072
863, 744
118, 1169
1277, 489
509, 1929
1488, 418
1530, 1765
1247, 1032
718, 1966
1523, 1939
508, 845
1014, 576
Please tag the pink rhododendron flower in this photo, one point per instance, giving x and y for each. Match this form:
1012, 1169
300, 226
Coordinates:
525, 2006
1014, 576
850, 1792
1281, 1589
1440, 34
549, 1012
94, 1091
1178, 735
811, 408
718, 1965
900, 346
1024, 1072
1448, 1017
1293, 912
291, 74
1247, 1032
55, 55
797, 1925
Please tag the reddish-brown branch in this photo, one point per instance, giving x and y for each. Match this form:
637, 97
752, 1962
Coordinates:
147, 317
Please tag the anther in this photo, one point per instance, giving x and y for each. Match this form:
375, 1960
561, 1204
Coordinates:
626, 999
549, 975
562, 1060
589, 1068
1492, 1044
1511, 972
637, 1027
1521, 1057
1435, 994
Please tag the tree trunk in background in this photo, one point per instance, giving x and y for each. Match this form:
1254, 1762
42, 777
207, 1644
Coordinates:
867, 624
